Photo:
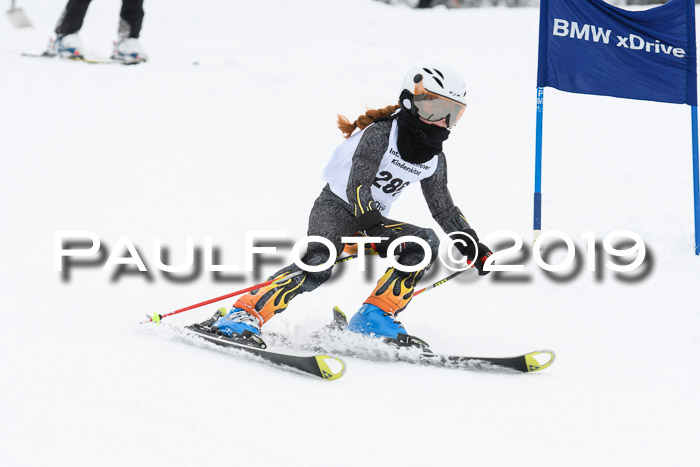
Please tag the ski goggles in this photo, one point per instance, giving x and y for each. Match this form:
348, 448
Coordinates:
434, 107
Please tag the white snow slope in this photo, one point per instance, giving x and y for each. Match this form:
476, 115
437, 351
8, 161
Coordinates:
170, 149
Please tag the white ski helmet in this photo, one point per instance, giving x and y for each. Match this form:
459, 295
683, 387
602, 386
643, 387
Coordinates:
434, 92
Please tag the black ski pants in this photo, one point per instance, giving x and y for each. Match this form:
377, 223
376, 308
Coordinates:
131, 15
333, 218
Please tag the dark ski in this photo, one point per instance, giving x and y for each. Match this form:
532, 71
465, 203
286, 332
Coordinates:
525, 363
323, 366
411, 349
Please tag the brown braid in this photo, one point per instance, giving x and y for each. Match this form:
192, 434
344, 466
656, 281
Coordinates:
363, 121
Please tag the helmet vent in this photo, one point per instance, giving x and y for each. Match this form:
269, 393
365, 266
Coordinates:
427, 71
439, 82
438, 72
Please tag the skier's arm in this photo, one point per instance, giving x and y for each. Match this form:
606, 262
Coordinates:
450, 218
437, 195
365, 164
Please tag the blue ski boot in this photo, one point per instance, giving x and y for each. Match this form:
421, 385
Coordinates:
371, 319
393, 293
236, 322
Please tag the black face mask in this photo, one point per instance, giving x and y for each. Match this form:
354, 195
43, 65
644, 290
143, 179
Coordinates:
418, 141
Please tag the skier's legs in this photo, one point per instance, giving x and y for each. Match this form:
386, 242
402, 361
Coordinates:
131, 19
330, 219
413, 253
71, 20
395, 288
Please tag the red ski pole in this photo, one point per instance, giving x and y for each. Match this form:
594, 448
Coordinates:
157, 317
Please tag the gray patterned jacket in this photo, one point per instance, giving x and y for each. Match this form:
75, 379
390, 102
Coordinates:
365, 164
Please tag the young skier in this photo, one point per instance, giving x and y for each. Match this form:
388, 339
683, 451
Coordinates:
396, 147
128, 49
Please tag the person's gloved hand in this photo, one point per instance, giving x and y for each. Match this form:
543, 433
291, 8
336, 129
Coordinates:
475, 252
371, 224
482, 255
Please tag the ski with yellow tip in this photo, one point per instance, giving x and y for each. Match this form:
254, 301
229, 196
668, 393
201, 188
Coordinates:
526, 363
323, 366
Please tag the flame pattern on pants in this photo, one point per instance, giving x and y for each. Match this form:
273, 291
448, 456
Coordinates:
394, 290
332, 218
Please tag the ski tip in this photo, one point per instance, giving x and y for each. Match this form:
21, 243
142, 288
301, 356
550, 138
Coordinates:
539, 360
336, 309
340, 320
330, 367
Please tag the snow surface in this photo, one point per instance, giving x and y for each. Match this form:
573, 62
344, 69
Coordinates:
227, 128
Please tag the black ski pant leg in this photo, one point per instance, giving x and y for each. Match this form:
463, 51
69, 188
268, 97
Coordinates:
414, 254
131, 19
71, 19
331, 219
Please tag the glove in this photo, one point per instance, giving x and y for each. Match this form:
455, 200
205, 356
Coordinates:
371, 224
476, 254
482, 255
